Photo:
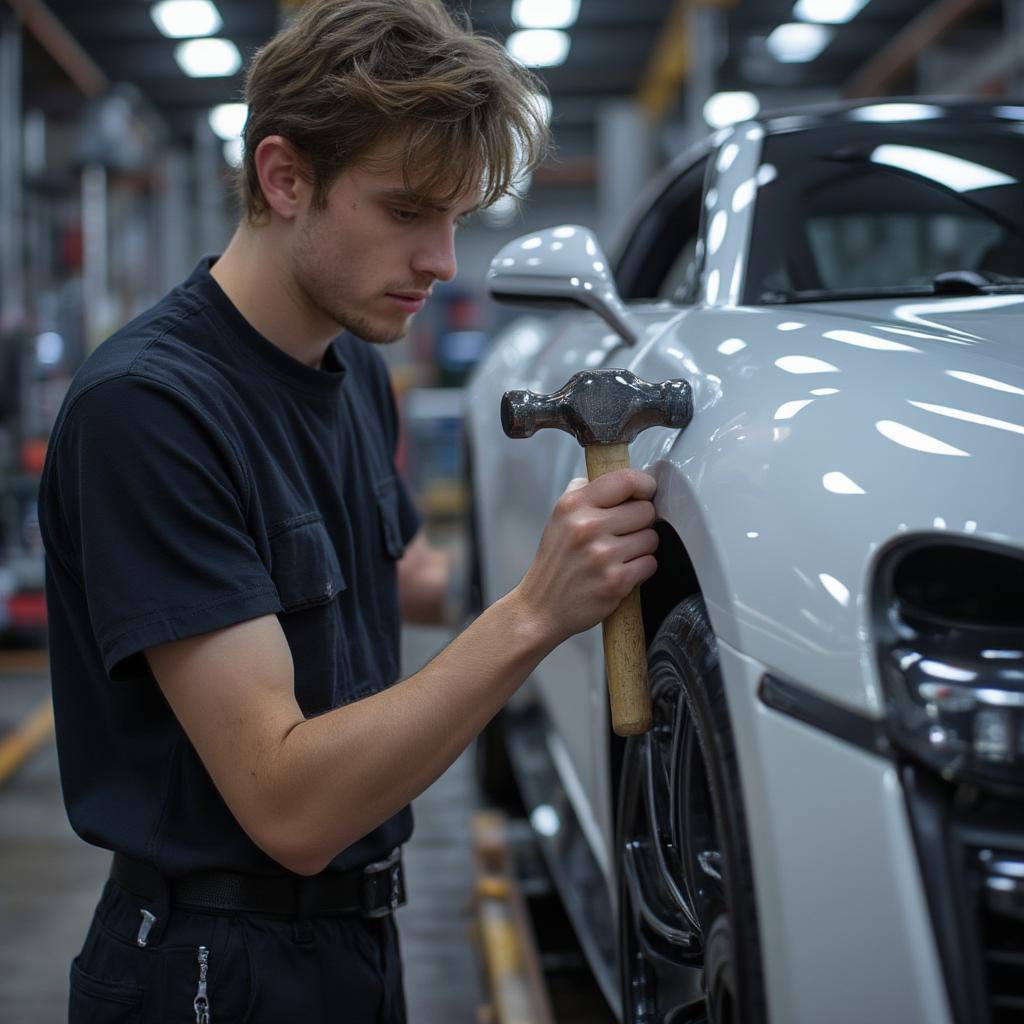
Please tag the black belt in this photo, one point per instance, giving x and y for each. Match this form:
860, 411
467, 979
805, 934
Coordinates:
373, 891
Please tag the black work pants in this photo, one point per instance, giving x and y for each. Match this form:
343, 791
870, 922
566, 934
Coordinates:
342, 969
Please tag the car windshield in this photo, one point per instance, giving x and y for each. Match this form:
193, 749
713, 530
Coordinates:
860, 210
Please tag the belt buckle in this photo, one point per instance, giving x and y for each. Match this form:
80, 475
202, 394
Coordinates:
383, 889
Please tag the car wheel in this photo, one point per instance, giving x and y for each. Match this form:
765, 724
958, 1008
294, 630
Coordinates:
688, 945
492, 767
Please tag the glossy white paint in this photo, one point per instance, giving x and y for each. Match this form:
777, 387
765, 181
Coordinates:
564, 264
842, 914
822, 433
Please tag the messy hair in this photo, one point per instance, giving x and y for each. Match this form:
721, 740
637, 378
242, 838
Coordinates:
347, 74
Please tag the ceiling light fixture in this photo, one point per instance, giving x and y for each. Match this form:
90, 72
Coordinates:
545, 13
228, 119
539, 47
830, 12
797, 42
233, 151
726, 108
186, 19
208, 58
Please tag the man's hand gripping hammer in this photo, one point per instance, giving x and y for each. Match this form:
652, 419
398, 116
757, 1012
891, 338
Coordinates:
605, 410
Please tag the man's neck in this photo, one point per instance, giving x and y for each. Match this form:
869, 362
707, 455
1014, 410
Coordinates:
254, 274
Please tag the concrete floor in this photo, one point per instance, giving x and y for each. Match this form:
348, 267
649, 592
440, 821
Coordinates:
50, 879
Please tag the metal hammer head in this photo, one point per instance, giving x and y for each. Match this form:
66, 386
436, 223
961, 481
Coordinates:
599, 407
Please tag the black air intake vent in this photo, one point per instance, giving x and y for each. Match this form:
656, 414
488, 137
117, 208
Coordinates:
1001, 908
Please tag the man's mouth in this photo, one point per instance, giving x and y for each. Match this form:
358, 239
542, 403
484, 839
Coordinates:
408, 302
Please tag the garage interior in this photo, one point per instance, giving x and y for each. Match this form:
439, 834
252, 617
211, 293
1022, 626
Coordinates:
116, 177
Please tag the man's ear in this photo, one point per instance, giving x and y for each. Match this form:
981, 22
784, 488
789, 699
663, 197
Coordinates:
282, 175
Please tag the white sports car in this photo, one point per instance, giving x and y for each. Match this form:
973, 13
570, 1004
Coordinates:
825, 824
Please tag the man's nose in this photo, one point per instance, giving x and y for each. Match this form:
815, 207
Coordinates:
437, 258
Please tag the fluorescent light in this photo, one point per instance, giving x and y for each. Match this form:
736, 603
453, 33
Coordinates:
831, 12
798, 42
726, 108
185, 19
952, 171
233, 152
208, 58
228, 119
545, 13
538, 47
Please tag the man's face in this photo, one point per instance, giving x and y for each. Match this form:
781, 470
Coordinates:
368, 261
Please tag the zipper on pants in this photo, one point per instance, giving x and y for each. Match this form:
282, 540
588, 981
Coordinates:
201, 1003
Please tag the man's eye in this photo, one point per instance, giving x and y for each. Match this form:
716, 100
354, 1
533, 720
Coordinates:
405, 216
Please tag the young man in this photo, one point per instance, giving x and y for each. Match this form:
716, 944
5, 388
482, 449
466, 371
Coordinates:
229, 547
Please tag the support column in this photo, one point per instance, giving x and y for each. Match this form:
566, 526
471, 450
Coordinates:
625, 162
95, 255
12, 277
177, 254
213, 230
705, 37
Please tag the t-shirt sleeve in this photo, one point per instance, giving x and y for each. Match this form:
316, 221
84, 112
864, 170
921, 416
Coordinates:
154, 503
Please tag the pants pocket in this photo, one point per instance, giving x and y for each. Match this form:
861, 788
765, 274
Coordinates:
96, 1001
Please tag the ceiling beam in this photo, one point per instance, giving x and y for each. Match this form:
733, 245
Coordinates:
55, 39
878, 75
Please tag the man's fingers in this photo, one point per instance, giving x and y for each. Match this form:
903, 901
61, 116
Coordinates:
633, 546
620, 485
628, 517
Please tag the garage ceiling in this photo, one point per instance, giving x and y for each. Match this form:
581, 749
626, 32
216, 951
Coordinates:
612, 46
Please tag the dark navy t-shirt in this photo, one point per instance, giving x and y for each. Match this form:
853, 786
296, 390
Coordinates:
198, 476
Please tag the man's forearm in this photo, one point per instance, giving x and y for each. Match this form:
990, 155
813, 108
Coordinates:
336, 777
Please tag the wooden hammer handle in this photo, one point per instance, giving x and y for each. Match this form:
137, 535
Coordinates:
625, 649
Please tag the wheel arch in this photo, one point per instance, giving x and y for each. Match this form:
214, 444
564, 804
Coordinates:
674, 581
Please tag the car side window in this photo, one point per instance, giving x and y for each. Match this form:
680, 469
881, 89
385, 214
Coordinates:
661, 260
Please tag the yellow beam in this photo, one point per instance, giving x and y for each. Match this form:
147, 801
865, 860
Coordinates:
669, 64
671, 59
17, 746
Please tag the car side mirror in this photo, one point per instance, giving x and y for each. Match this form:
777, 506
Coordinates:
561, 266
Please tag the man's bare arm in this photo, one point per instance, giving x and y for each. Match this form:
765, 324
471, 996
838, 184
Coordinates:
305, 789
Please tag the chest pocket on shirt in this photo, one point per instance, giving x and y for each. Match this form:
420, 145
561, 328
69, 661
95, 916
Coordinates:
304, 565
386, 491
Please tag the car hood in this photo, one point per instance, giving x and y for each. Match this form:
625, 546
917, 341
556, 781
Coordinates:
976, 327
867, 422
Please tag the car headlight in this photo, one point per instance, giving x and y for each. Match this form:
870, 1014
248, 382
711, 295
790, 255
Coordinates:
949, 632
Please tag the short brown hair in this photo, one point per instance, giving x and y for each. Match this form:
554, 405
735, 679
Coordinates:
345, 74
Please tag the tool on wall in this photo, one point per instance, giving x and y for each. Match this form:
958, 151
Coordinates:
605, 410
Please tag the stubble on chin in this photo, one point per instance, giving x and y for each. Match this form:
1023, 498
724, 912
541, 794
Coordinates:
376, 334
375, 331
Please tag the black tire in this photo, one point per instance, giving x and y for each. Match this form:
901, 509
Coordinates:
688, 941
492, 766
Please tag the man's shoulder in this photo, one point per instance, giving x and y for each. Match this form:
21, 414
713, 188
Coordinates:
168, 322
152, 367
